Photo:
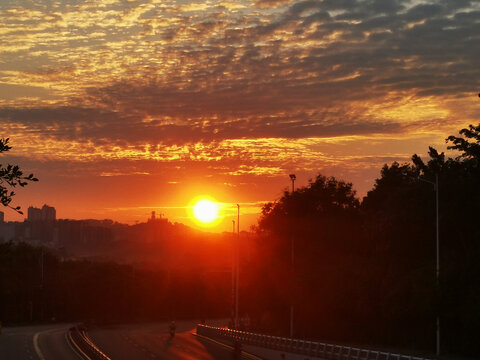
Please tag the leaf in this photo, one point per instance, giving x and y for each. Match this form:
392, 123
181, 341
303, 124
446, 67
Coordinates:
11, 176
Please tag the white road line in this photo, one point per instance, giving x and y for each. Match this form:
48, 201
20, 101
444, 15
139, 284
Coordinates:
244, 353
71, 347
36, 346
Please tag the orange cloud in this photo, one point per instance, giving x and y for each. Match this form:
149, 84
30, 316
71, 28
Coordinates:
239, 92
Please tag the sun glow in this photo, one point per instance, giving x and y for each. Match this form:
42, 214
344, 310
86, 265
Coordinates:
205, 211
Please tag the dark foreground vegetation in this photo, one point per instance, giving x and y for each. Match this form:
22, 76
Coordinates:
36, 286
364, 271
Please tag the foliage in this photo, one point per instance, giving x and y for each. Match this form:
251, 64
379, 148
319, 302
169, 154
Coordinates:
400, 216
321, 223
323, 199
365, 273
469, 149
11, 176
35, 285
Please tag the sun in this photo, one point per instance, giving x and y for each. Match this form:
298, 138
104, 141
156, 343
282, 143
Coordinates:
205, 211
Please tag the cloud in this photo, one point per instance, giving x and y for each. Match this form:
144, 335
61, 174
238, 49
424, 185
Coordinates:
262, 4
192, 49
150, 79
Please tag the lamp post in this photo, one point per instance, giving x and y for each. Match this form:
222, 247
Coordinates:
292, 309
234, 264
237, 267
293, 178
437, 247
438, 258
42, 285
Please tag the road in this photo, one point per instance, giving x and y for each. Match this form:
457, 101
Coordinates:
42, 342
152, 341
139, 341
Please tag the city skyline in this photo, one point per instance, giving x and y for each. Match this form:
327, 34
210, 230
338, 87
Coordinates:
121, 108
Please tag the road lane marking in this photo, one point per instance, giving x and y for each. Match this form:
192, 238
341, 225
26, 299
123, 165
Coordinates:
84, 356
36, 344
37, 347
244, 353
67, 337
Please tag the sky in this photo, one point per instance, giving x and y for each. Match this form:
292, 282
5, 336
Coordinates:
123, 107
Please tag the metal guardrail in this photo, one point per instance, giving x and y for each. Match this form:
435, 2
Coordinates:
83, 345
303, 347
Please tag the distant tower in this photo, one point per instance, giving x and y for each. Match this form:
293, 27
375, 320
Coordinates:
153, 216
2, 217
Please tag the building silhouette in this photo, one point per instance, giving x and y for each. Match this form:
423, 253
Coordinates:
49, 213
46, 213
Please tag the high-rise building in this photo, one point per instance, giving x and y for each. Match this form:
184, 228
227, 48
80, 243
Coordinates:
46, 213
34, 214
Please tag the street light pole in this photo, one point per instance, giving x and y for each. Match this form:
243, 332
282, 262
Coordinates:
437, 190
42, 279
292, 309
437, 246
237, 266
234, 265
293, 178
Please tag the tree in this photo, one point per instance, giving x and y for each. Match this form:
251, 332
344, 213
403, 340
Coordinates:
321, 223
10, 177
400, 219
324, 198
470, 149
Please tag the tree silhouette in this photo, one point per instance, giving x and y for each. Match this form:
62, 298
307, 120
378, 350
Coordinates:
10, 177
469, 149
321, 222
399, 217
365, 273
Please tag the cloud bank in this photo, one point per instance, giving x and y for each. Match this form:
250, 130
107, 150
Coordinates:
242, 87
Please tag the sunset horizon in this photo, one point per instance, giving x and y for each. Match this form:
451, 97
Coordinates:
233, 179
121, 108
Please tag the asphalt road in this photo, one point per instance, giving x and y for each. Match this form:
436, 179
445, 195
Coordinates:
42, 342
152, 341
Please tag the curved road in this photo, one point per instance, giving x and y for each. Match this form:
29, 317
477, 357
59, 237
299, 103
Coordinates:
139, 342
41, 342
152, 341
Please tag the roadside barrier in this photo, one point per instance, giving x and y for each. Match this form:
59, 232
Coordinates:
83, 345
303, 347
